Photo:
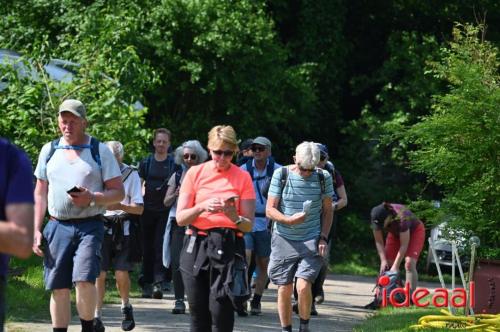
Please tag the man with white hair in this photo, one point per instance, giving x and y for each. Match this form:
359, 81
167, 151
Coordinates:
300, 203
116, 247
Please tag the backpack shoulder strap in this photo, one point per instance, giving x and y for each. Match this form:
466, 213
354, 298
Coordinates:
284, 178
126, 173
249, 166
94, 151
322, 184
147, 166
178, 175
53, 145
270, 167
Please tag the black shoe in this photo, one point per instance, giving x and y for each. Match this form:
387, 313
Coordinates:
255, 308
179, 307
147, 291
314, 312
128, 322
320, 298
157, 291
304, 328
243, 312
98, 325
373, 305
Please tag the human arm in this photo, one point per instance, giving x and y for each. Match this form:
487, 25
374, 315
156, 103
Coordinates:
404, 240
378, 236
274, 214
172, 192
244, 222
113, 193
342, 198
187, 211
16, 233
326, 224
41, 192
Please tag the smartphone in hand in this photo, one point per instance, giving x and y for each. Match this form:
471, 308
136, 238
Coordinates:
75, 189
231, 200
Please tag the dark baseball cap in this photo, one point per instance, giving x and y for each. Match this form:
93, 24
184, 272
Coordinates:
246, 144
323, 149
378, 214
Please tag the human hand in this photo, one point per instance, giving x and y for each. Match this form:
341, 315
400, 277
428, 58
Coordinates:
37, 241
297, 218
81, 198
384, 266
322, 248
213, 205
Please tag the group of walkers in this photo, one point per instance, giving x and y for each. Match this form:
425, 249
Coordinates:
199, 224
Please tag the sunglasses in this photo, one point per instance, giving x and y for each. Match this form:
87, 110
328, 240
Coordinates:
322, 158
302, 169
258, 148
191, 156
226, 153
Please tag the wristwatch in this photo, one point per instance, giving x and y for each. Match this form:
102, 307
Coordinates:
92, 200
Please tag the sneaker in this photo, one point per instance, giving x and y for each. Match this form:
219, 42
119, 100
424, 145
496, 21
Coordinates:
243, 312
179, 307
373, 305
314, 312
157, 291
304, 328
166, 286
147, 291
98, 325
319, 298
128, 322
255, 309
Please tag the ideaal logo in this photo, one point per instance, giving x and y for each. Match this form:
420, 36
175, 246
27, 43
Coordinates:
440, 296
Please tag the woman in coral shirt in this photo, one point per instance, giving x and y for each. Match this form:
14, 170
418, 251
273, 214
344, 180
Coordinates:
217, 201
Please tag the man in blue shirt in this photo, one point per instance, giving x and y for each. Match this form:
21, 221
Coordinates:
258, 242
16, 211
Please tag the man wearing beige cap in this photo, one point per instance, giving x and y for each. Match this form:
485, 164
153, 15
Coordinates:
77, 176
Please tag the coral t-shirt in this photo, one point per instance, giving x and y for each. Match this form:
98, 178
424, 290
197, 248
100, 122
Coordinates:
205, 181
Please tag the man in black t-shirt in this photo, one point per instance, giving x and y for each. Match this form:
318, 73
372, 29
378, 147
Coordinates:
155, 170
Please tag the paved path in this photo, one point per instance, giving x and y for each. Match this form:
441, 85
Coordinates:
341, 311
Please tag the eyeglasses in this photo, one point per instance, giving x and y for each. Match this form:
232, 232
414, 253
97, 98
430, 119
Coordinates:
191, 156
322, 158
226, 153
302, 169
258, 148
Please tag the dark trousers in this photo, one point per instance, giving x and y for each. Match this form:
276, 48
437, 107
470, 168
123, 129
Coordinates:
153, 228
177, 236
207, 313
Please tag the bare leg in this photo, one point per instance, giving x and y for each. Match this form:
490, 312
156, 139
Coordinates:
123, 286
305, 298
60, 309
285, 304
411, 272
260, 284
100, 285
85, 299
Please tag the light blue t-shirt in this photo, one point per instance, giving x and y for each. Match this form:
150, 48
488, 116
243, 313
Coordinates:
260, 222
297, 190
62, 174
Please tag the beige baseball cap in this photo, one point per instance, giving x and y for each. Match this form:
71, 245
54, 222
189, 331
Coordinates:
73, 106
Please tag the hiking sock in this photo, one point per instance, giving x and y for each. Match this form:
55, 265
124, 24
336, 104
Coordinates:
60, 329
98, 313
256, 298
87, 325
125, 303
286, 328
304, 324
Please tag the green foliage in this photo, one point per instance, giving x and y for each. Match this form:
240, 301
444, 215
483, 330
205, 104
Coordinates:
458, 142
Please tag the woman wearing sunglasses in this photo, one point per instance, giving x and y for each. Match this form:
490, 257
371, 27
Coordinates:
190, 153
217, 201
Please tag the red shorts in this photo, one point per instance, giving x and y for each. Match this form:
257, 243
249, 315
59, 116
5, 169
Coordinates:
417, 239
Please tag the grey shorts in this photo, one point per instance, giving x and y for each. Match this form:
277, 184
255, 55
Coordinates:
117, 259
290, 259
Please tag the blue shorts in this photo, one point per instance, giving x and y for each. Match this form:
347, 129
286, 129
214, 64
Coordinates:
73, 252
259, 242
290, 259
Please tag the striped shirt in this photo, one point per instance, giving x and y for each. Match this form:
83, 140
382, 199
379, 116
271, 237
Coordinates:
297, 190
